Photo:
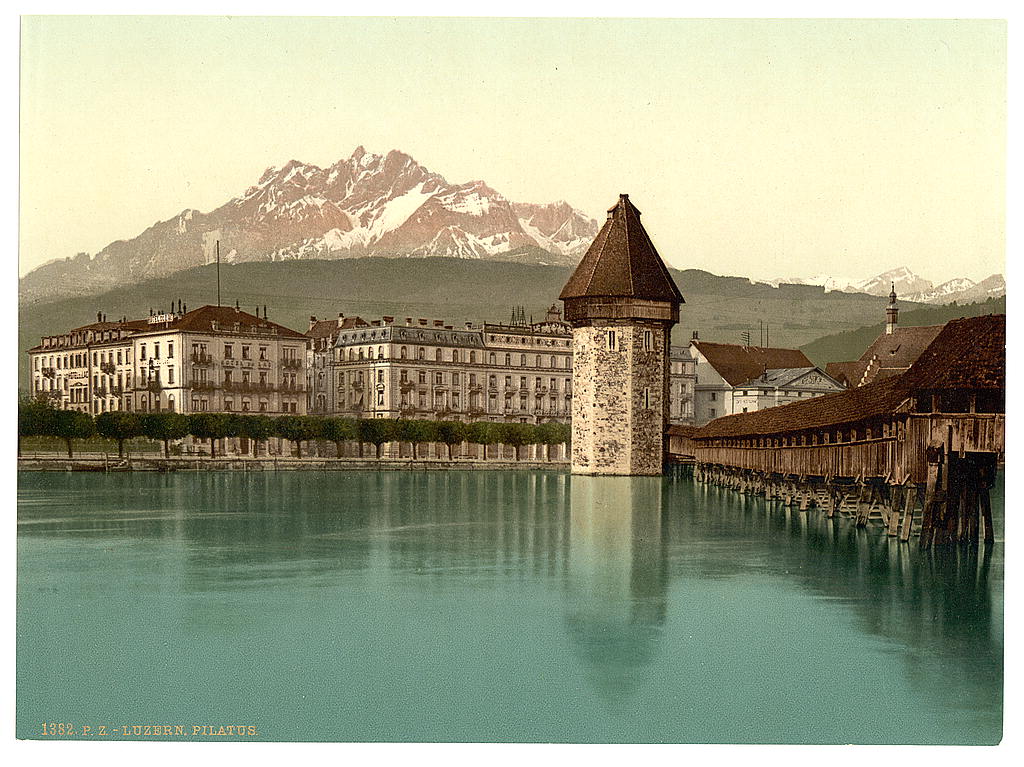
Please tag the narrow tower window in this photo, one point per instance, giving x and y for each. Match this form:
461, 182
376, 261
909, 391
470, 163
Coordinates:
648, 340
611, 340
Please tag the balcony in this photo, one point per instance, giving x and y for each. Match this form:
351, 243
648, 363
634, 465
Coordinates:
291, 388
107, 368
294, 364
153, 387
201, 358
406, 385
49, 372
202, 385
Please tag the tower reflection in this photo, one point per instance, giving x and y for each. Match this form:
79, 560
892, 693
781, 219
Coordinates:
617, 579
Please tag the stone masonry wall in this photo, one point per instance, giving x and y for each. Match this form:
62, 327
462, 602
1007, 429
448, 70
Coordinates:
619, 399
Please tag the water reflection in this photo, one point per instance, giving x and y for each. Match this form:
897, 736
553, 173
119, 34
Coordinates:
616, 592
616, 587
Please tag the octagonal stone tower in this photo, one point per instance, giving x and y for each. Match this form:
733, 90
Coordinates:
622, 303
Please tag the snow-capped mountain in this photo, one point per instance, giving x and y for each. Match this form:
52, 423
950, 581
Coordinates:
909, 286
365, 205
905, 281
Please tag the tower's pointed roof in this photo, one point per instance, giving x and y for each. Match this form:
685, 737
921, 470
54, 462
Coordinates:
622, 262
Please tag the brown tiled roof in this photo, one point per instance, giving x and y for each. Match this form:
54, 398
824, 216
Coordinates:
329, 328
679, 430
202, 321
622, 262
101, 326
737, 364
892, 353
845, 372
967, 354
880, 398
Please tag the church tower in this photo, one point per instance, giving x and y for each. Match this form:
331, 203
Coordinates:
622, 303
892, 313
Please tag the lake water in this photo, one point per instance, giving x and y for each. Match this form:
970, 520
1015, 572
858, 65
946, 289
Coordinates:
490, 606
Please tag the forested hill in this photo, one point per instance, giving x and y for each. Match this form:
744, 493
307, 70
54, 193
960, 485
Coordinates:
460, 290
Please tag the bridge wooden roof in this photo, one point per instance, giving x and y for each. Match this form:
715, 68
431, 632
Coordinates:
967, 354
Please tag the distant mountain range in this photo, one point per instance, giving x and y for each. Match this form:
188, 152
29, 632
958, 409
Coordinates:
386, 206
366, 205
909, 286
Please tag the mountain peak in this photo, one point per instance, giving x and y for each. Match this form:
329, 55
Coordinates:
366, 205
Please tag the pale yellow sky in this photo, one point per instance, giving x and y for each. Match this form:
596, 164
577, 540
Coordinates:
766, 149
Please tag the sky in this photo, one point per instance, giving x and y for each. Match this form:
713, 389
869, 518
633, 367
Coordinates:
758, 148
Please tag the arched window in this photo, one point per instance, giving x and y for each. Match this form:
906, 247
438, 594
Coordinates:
554, 361
380, 352
360, 354
508, 360
420, 353
522, 360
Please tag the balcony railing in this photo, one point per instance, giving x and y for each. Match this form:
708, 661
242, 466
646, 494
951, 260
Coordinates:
290, 388
293, 364
49, 372
153, 387
201, 358
203, 385
108, 368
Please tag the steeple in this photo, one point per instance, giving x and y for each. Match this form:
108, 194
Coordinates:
892, 313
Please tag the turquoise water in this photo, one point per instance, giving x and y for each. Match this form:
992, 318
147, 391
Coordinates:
490, 606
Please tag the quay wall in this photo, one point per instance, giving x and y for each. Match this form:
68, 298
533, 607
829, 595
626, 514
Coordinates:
278, 464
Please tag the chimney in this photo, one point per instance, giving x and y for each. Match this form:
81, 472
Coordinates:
695, 336
184, 308
408, 320
312, 321
99, 316
388, 320
438, 323
423, 321
264, 311
179, 306
375, 323
469, 326
237, 307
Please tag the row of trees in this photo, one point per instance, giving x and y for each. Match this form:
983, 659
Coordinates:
38, 418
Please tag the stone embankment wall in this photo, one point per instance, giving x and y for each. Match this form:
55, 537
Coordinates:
276, 464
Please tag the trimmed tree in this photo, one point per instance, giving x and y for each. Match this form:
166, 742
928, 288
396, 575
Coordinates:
549, 434
297, 429
258, 428
376, 431
71, 424
35, 419
451, 433
165, 427
119, 425
338, 431
515, 434
416, 431
482, 433
209, 426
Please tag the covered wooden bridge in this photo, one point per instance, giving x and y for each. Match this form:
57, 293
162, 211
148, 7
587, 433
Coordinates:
928, 440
